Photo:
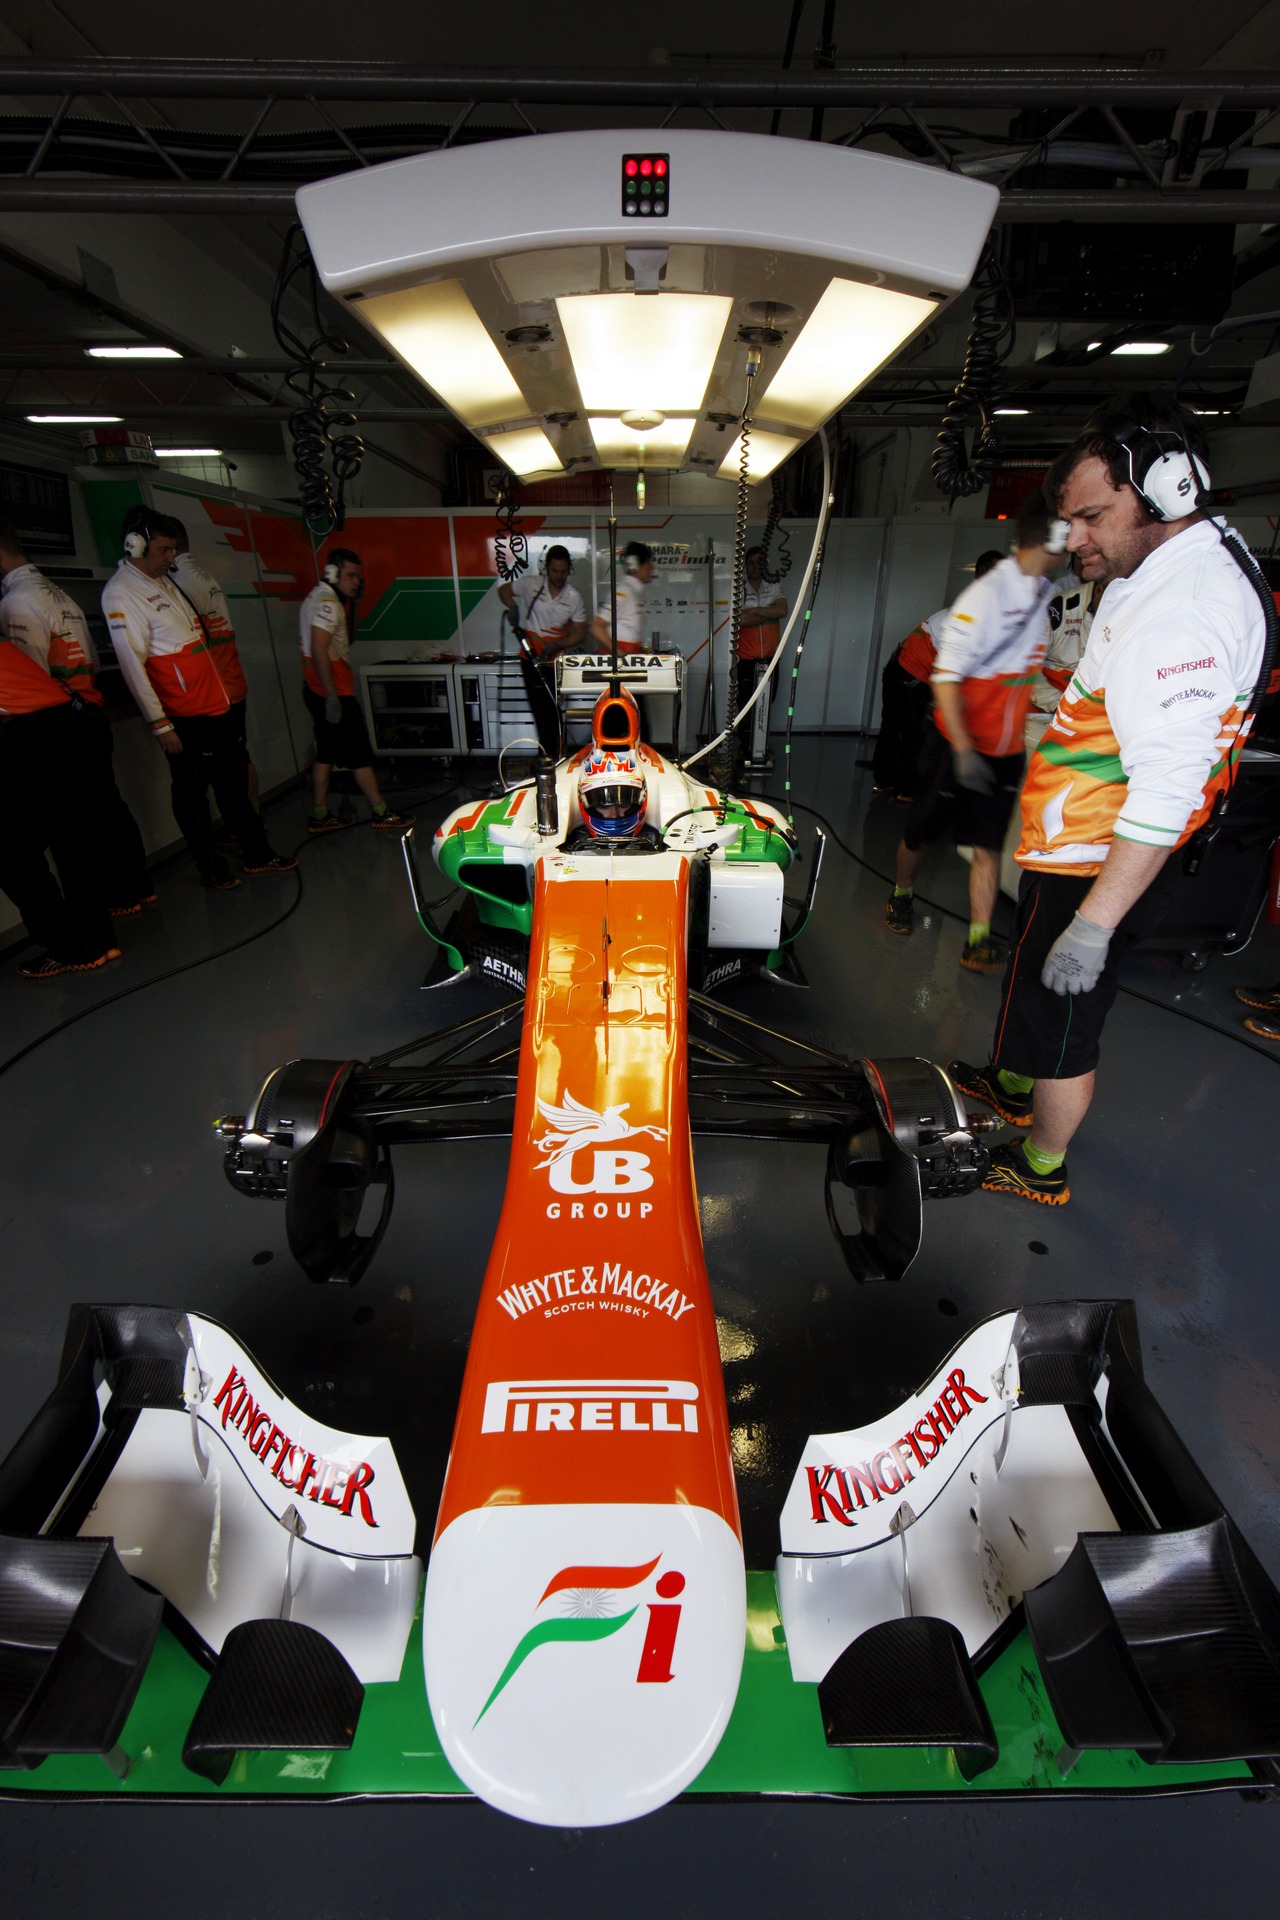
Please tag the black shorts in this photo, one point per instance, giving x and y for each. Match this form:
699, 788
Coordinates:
973, 819
1054, 1036
347, 743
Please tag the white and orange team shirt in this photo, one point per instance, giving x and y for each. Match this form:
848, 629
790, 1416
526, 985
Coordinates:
919, 650
51, 629
632, 612
545, 616
25, 686
991, 643
1145, 734
324, 608
1070, 618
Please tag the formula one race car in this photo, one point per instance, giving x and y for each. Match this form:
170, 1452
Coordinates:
619, 798
1013, 1581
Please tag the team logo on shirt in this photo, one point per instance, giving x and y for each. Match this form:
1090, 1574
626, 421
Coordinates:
1184, 666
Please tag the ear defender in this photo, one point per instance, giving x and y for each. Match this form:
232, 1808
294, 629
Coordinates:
1055, 541
135, 545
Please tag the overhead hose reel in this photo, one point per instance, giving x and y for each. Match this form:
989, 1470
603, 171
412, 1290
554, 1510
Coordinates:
958, 471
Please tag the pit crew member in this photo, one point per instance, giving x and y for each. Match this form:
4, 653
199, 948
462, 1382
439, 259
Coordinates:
329, 690
549, 617
192, 696
42, 619
990, 647
1143, 741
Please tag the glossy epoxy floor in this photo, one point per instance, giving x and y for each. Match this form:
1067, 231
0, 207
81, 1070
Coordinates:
110, 1189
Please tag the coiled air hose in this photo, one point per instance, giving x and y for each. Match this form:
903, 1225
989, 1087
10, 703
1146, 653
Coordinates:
327, 452
958, 471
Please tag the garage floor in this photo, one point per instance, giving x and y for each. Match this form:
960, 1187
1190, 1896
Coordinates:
110, 1190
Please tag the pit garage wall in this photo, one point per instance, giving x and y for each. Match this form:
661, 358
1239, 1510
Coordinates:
431, 584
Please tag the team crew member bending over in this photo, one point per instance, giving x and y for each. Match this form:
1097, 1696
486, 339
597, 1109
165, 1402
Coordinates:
192, 695
1144, 738
51, 630
550, 618
906, 698
989, 649
342, 739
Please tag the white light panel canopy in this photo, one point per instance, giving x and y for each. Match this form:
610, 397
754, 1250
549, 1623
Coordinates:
438, 332
765, 451
526, 450
619, 445
634, 351
853, 330
554, 306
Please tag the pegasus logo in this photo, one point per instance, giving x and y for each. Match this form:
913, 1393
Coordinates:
574, 1128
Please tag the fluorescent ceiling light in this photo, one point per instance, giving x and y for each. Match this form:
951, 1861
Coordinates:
643, 350
1211, 413
133, 353
622, 446
1022, 410
526, 450
437, 332
853, 330
76, 419
187, 453
1141, 346
766, 451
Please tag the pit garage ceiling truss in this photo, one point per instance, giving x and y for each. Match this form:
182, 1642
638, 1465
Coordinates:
1179, 147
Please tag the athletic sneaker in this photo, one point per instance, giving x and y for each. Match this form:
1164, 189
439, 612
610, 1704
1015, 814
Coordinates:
985, 956
393, 819
1010, 1172
1266, 1029
328, 823
980, 1083
277, 863
220, 882
1268, 998
48, 968
897, 913
123, 913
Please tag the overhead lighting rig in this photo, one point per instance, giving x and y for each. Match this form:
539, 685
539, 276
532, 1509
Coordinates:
543, 318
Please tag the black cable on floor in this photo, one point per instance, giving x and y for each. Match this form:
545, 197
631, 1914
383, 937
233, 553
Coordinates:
188, 966
1241, 1039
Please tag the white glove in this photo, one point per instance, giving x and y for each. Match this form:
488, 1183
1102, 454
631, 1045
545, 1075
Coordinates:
1075, 960
332, 709
972, 771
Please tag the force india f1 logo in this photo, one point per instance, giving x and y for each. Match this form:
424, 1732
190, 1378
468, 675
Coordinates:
575, 1127
590, 1596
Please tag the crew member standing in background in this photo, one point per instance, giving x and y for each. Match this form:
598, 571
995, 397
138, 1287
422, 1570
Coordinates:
42, 619
759, 626
991, 644
48, 786
210, 602
342, 739
192, 697
1144, 740
638, 569
549, 617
